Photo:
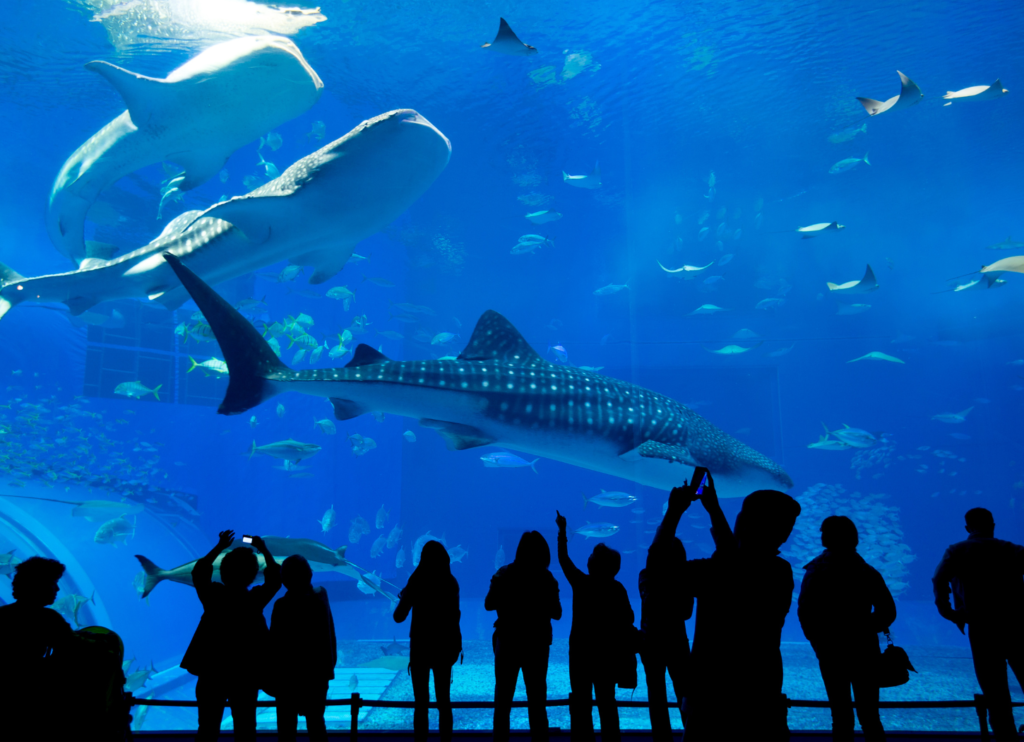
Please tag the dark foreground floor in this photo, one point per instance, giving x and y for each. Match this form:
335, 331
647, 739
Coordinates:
627, 736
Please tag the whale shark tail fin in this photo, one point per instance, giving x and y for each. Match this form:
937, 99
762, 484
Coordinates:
248, 356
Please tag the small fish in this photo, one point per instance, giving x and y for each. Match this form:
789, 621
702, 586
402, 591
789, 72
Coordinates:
361, 444
848, 164
876, 356
274, 140
326, 426
251, 182
342, 294
610, 499
394, 537
953, 417
457, 554
318, 130
409, 436
1008, 244
382, 517
329, 521
135, 389
559, 352
725, 258
597, 530
702, 234
377, 548
442, 338
382, 282
707, 309
353, 682
506, 460
391, 334
713, 280
280, 410
612, 288
845, 135
543, 217
400, 558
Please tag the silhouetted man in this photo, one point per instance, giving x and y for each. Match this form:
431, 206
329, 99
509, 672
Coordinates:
305, 651
987, 579
602, 622
32, 633
230, 647
844, 604
743, 594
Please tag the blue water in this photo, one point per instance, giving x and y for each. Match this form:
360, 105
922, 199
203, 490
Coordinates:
662, 96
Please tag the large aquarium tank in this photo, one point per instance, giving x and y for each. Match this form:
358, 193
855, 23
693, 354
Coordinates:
506, 259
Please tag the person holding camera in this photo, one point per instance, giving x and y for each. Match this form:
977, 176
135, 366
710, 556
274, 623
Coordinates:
600, 638
231, 632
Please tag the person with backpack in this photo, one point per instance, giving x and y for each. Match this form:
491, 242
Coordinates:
844, 604
305, 651
229, 649
601, 639
435, 639
525, 596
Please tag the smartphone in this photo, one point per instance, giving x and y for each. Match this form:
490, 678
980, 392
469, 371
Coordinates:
700, 489
246, 539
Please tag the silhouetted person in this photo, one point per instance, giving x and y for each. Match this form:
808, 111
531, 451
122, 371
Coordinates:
305, 651
988, 596
844, 604
32, 634
664, 608
743, 594
435, 639
602, 620
228, 651
525, 595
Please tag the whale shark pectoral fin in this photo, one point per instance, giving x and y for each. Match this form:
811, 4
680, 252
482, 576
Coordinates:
142, 95
200, 165
328, 262
248, 214
458, 437
346, 409
665, 451
78, 304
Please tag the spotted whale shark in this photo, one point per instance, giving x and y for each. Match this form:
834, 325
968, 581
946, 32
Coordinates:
498, 391
204, 110
313, 214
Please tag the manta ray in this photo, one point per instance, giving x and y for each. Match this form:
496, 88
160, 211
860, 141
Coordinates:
506, 42
863, 286
313, 215
910, 95
977, 92
498, 391
196, 117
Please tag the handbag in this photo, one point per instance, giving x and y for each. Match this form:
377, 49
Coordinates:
894, 665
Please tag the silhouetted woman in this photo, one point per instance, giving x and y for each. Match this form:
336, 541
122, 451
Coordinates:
435, 640
602, 620
525, 595
844, 604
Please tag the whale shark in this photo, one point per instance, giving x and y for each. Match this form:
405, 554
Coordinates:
314, 214
910, 95
196, 117
498, 391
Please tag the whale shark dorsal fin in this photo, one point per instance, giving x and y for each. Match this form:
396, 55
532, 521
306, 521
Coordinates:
495, 339
141, 94
365, 356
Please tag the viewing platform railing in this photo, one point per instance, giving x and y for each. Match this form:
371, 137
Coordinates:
356, 702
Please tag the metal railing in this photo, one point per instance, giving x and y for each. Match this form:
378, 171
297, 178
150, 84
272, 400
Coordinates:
357, 702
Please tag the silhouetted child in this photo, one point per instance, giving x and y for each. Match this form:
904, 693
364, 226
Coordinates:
844, 604
33, 634
664, 608
305, 651
525, 595
230, 645
743, 594
985, 574
435, 639
602, 622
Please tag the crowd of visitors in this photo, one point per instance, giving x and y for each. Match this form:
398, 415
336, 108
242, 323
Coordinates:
728, 686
